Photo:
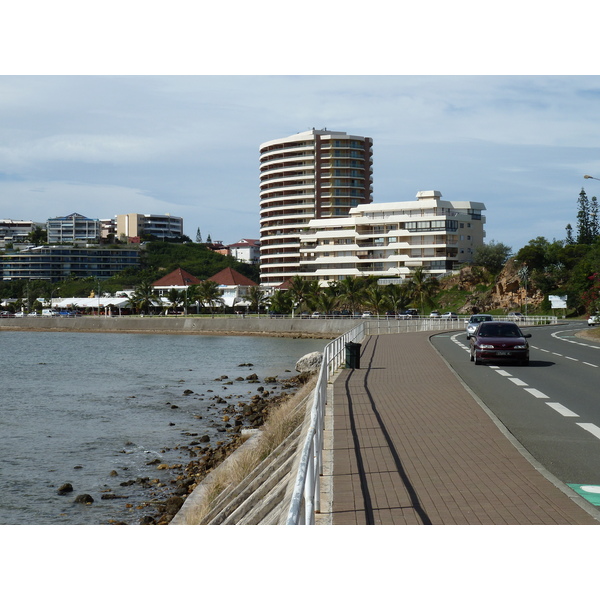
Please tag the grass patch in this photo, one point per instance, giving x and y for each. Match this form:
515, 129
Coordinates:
282, 421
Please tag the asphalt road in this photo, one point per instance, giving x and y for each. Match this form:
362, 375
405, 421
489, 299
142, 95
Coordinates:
551, 406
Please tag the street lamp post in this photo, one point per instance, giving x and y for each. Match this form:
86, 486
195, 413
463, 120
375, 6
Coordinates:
590, 177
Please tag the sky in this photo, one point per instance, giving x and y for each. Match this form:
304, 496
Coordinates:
101, 122
189, 145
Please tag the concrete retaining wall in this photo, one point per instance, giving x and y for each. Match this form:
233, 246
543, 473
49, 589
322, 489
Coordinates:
326, 328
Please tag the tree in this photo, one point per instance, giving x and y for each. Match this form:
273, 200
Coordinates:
351, 292
587, 219
423, 287
492, 256
198, 236
256, 297
144, 297
176, 297
398, 296
37, 235
376, 299
569, 238
281, 302
208, 294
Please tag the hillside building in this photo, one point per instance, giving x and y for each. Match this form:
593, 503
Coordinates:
73, 228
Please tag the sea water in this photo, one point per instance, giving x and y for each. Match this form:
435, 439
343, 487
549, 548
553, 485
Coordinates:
98, 410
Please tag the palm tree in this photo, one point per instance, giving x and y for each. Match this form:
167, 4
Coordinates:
351, 291
398, 296
376, 298
209, 294
143, 297
326, 302
422, 287
281, 302
299, 291
256, 297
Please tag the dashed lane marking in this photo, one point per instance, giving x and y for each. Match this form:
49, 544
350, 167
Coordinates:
563, 410
536, 393
518, 382
593, 429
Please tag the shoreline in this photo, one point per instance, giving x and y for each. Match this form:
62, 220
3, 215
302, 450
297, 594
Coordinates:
236, 326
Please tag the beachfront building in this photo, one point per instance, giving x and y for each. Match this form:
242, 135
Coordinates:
390, 240
73, 228
313, 175
132, 226
56, 263
179, 279
234, 287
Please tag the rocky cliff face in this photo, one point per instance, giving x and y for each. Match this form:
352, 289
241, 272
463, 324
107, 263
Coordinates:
506, 294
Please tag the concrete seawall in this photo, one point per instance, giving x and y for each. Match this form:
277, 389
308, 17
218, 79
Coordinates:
326, 328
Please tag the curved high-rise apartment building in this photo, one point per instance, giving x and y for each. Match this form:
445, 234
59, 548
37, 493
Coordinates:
315, 174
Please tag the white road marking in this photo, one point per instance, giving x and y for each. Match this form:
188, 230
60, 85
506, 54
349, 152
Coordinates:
503, 373
517, 381
590, 364
563, 410
536, 393
569, 358
593, 429
556, 354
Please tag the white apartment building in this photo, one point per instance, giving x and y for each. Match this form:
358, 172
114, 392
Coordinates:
133, 225
390, 240
73, 228
246, 250
317, 174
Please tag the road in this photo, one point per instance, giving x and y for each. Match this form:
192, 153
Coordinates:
552, 406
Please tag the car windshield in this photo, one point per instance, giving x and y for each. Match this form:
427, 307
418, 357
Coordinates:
480, 319
499, 330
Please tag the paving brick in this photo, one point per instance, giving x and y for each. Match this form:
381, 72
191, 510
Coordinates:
412, 446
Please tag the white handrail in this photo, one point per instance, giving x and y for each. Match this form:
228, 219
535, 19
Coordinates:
306, 496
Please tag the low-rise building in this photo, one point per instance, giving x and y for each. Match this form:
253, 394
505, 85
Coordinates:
234, 286
56, 263
390, 240
246, 251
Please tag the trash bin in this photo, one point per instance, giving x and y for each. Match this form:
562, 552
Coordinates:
352, 355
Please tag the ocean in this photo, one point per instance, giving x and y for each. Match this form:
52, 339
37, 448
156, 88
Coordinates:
100, 411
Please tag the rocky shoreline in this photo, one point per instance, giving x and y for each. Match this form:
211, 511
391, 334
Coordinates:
237, 412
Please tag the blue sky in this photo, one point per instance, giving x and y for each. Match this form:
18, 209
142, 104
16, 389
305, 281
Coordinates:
86, 130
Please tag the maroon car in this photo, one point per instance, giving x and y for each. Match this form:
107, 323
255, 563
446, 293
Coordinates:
499, 341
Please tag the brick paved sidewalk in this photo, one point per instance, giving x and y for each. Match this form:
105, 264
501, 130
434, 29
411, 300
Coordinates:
412, 446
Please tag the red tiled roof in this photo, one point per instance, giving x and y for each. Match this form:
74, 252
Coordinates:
178, 277
230, 276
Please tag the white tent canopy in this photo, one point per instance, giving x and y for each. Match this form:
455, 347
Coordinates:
90, 302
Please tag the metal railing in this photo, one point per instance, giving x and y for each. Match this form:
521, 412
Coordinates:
305, 500
307, 491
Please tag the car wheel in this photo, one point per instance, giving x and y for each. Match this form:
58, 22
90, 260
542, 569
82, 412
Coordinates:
472, 357
477, 361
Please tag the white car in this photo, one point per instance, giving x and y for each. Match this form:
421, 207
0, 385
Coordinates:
435, 314
473, 323
593, 320
367, 314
